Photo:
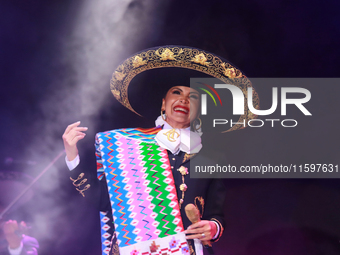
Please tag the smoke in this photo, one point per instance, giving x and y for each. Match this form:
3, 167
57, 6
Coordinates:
95, 38
112, 31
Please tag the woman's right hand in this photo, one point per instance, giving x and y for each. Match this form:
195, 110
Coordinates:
73, 133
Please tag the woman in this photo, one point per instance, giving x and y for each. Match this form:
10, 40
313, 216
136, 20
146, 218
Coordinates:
154, 162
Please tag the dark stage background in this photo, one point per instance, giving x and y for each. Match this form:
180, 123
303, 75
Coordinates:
57, 58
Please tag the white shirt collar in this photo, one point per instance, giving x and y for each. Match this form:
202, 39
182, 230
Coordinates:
176, 140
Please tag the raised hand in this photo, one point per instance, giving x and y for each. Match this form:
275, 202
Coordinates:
73, 133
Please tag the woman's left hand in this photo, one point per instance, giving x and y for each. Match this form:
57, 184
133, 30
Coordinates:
204, 230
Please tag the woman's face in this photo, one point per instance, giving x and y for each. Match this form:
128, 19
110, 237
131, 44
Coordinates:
181, 106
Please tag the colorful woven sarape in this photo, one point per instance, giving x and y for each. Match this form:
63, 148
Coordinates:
141, 189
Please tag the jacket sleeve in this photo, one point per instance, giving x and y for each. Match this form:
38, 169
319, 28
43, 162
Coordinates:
214, 206
91, 184
214, 190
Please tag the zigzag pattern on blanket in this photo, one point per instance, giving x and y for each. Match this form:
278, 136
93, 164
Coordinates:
141, 187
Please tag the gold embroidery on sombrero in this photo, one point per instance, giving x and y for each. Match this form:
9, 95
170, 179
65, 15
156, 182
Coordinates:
182, 57
138, 61
200, 59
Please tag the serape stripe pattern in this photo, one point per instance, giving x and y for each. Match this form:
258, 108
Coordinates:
141, 186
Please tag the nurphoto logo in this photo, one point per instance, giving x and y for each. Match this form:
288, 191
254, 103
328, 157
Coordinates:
242, 102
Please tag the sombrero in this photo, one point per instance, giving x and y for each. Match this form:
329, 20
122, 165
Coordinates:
185, 58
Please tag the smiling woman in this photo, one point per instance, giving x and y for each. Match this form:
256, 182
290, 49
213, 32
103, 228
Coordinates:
181, 106
143, 179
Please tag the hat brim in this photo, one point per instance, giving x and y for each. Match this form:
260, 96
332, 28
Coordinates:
178, 57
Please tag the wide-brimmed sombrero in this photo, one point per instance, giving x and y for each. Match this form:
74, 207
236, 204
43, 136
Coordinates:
183, 57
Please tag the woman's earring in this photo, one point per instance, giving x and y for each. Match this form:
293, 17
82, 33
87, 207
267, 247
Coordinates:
200, 124
163, 115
